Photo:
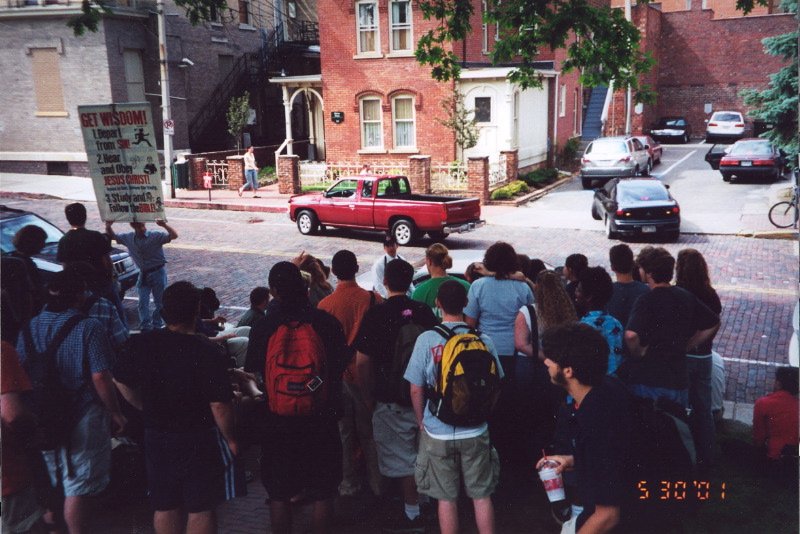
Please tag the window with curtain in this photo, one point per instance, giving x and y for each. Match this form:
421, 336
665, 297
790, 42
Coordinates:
134, 75
403, 116
400, 23
483, 109
371, 123
367, 27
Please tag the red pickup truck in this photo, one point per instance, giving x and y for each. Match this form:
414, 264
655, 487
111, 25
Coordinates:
384, 203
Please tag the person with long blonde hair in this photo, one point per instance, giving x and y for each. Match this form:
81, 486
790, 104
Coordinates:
691, 273
553, 304
438, 260
319, 287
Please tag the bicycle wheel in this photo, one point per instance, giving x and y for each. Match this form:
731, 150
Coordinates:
783, 214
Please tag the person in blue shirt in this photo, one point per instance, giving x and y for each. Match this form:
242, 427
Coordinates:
146, 249
592, 294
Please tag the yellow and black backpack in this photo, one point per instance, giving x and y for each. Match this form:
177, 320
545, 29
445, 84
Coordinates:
467, 380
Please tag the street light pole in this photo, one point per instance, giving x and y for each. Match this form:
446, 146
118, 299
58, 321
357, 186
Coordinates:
628, 92
165, 107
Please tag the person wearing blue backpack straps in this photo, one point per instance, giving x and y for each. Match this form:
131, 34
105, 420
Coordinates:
451, 453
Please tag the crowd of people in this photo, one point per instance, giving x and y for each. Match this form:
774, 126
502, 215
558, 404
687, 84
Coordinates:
342, 387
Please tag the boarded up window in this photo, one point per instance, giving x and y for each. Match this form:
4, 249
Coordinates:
134, 75
47, 81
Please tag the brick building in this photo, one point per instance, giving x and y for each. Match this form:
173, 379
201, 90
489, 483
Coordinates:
704, 60
48, 72
381, 106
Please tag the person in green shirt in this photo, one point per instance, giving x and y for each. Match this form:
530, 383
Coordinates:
438, 260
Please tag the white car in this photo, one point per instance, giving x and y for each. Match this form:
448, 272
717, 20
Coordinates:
725, 125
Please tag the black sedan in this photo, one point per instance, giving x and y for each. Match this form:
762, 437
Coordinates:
637, 207
671, 129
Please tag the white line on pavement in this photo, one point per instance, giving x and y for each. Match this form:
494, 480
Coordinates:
684, 158
227, 222
741, 360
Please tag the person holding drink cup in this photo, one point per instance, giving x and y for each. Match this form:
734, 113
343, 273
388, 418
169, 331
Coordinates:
576, 357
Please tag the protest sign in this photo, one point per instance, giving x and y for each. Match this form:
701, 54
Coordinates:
123, 161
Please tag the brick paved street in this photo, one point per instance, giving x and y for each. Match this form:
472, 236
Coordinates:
233, 251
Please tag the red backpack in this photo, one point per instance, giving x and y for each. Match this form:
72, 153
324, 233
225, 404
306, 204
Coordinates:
296, 371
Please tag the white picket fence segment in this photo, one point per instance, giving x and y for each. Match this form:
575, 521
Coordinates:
328, 173
448, 177
219, 172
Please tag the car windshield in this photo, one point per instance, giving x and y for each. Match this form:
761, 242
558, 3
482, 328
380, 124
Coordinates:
9, 227
638, 192
607, 147
725, 116
667, 123
747, 148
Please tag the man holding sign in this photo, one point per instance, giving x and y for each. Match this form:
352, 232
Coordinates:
147, 250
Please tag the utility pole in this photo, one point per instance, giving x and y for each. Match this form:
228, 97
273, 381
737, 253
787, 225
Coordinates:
628, 92
165, 107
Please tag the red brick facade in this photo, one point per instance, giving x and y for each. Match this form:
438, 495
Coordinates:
701, 59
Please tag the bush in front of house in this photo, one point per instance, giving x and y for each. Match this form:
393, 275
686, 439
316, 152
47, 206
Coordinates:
540, 177
514, 188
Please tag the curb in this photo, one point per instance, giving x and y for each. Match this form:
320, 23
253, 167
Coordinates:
786, 235
33, 196
199, 205
535, 195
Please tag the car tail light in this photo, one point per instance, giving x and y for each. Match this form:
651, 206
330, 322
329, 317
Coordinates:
713, 124
444, 214
729, 162
768, 162
740, 125
626, 159
585, 160
623, 213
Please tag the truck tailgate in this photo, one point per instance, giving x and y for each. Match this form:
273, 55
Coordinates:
463, 210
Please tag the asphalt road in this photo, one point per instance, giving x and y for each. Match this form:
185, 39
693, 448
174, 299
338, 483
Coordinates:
708, 205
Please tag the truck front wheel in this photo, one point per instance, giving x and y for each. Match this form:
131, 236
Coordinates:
307, 222
404, 231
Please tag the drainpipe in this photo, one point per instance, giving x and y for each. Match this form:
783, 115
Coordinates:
628, 92
287, 117
555, 119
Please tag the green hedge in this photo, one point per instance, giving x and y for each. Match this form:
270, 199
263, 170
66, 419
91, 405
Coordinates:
540, 177
514, 188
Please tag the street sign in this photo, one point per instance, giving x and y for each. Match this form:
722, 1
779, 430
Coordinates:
123, 161
169, 127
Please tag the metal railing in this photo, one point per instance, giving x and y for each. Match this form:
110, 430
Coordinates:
448, 177
327, 173
219, 173
497, 172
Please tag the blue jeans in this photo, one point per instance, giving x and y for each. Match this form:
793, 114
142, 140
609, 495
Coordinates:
251, 177
701, 420
155, 282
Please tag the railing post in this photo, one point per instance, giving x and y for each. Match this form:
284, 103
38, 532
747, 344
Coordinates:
289, 175
419, 174
478, 178
198, 168
235, 171
512, 164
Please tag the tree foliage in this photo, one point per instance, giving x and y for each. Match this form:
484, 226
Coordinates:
238, 115
778, 103
460, 121
598, 40
91, 11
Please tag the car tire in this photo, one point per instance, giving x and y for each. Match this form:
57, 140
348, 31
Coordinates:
596, 214
685, 138
404, 231
726, 177
307, 222
611, 234
586, 183
646, 170
437, 236
673, 236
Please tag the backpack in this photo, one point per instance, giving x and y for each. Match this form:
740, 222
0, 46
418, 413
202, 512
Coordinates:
296, 371
467, 380
398, 389
51, 402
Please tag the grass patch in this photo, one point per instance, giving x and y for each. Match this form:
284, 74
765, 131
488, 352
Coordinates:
315, 188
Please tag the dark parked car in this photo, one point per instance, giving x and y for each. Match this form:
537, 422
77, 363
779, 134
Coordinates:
11, 220
671, 130
637, 206
747, 158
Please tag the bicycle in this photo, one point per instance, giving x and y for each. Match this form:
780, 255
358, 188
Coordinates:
786, 213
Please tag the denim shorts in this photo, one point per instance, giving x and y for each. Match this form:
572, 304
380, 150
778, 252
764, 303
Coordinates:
89, 455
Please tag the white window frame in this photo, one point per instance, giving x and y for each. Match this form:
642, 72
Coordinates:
412, 120
362, 123
404, 26
375, 30
475, 109
562, 97
484, 29
134, 75
515, 120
